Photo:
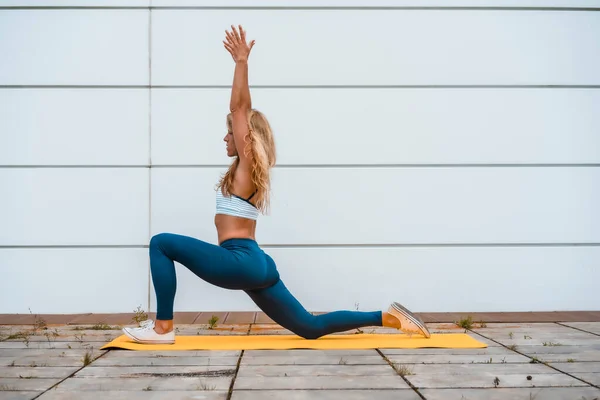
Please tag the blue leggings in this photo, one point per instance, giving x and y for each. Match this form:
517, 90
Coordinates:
240, 264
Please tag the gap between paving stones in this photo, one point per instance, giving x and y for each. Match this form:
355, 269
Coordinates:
545, 363
391, 364
70, 376
237, 368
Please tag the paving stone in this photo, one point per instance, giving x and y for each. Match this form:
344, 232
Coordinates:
141, 395
49, 352
310, 353
145, 383
576, 393
315, 370
116, 361
18, 395
35, 384
395, 394
36, 372
173, 353
457, 358
497, 350
577, 366
42, 361
313, 360
593, 378
320, 382
533, 350
473, 376
156, 371
593, 327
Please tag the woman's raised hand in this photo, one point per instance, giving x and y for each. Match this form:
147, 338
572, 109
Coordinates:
236, 44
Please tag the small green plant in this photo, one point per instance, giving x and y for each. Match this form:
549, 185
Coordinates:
139, 315
489, 361
570, 360
482, 324
205, 386
402, 369
496, 382
466, 323
534, 360
12, 364
527, 337
39, 322
512, 347
510, 335
212, 322
88, 358
79, 338
342, 361
551, 344
147, 389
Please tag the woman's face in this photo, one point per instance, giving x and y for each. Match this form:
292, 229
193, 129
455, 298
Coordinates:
231, 150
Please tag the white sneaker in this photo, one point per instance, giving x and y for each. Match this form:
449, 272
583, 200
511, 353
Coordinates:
410, 323
146, 334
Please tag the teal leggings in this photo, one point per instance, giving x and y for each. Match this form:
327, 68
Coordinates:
240, 264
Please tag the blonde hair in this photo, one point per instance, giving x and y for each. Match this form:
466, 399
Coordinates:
261, 146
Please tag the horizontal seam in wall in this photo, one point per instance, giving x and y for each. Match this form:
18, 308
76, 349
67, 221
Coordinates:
310, 166
316, 245
340, 86
293, 8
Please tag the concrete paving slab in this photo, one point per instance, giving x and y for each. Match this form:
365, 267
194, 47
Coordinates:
310, 353
313, 360
576, 393
395, 394
315, 370
36, 372
110, 360
592, 327
144, 383
592, 378
565, 357
557, 349
141, 395
47, 345
578, 366
174, 353
320, 382
20, 395
497, 350
41, 362
458, 358
49, 352
35, 384
481, 379
156, 371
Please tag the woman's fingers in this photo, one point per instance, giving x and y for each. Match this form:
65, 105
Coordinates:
242, 34
236, 35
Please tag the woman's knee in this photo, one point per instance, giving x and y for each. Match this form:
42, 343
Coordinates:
160, 238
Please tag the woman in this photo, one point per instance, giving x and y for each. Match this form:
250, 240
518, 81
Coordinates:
238, 262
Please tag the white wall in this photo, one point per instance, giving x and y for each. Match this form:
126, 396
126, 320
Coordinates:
445, 158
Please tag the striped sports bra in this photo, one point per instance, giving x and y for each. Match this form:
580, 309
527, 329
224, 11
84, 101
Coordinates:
236, 206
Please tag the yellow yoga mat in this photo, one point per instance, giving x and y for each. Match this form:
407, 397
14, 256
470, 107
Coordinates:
285, 342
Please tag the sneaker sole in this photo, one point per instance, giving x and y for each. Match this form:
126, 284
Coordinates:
415, 320
130, 336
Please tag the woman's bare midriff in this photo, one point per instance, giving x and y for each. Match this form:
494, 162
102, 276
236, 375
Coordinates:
229, 227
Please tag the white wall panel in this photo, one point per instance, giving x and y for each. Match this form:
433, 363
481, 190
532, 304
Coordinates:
397, 205
380, 47
470, 279
74, 126
71, 206
76, 3
391, 126
74, 47
369, 3
73, 280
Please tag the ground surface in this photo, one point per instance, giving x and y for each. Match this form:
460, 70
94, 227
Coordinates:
543, 361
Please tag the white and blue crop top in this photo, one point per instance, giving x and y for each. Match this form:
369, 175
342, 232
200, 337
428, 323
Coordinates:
236, 206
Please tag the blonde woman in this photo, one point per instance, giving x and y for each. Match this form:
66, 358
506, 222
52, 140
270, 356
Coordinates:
238, 262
